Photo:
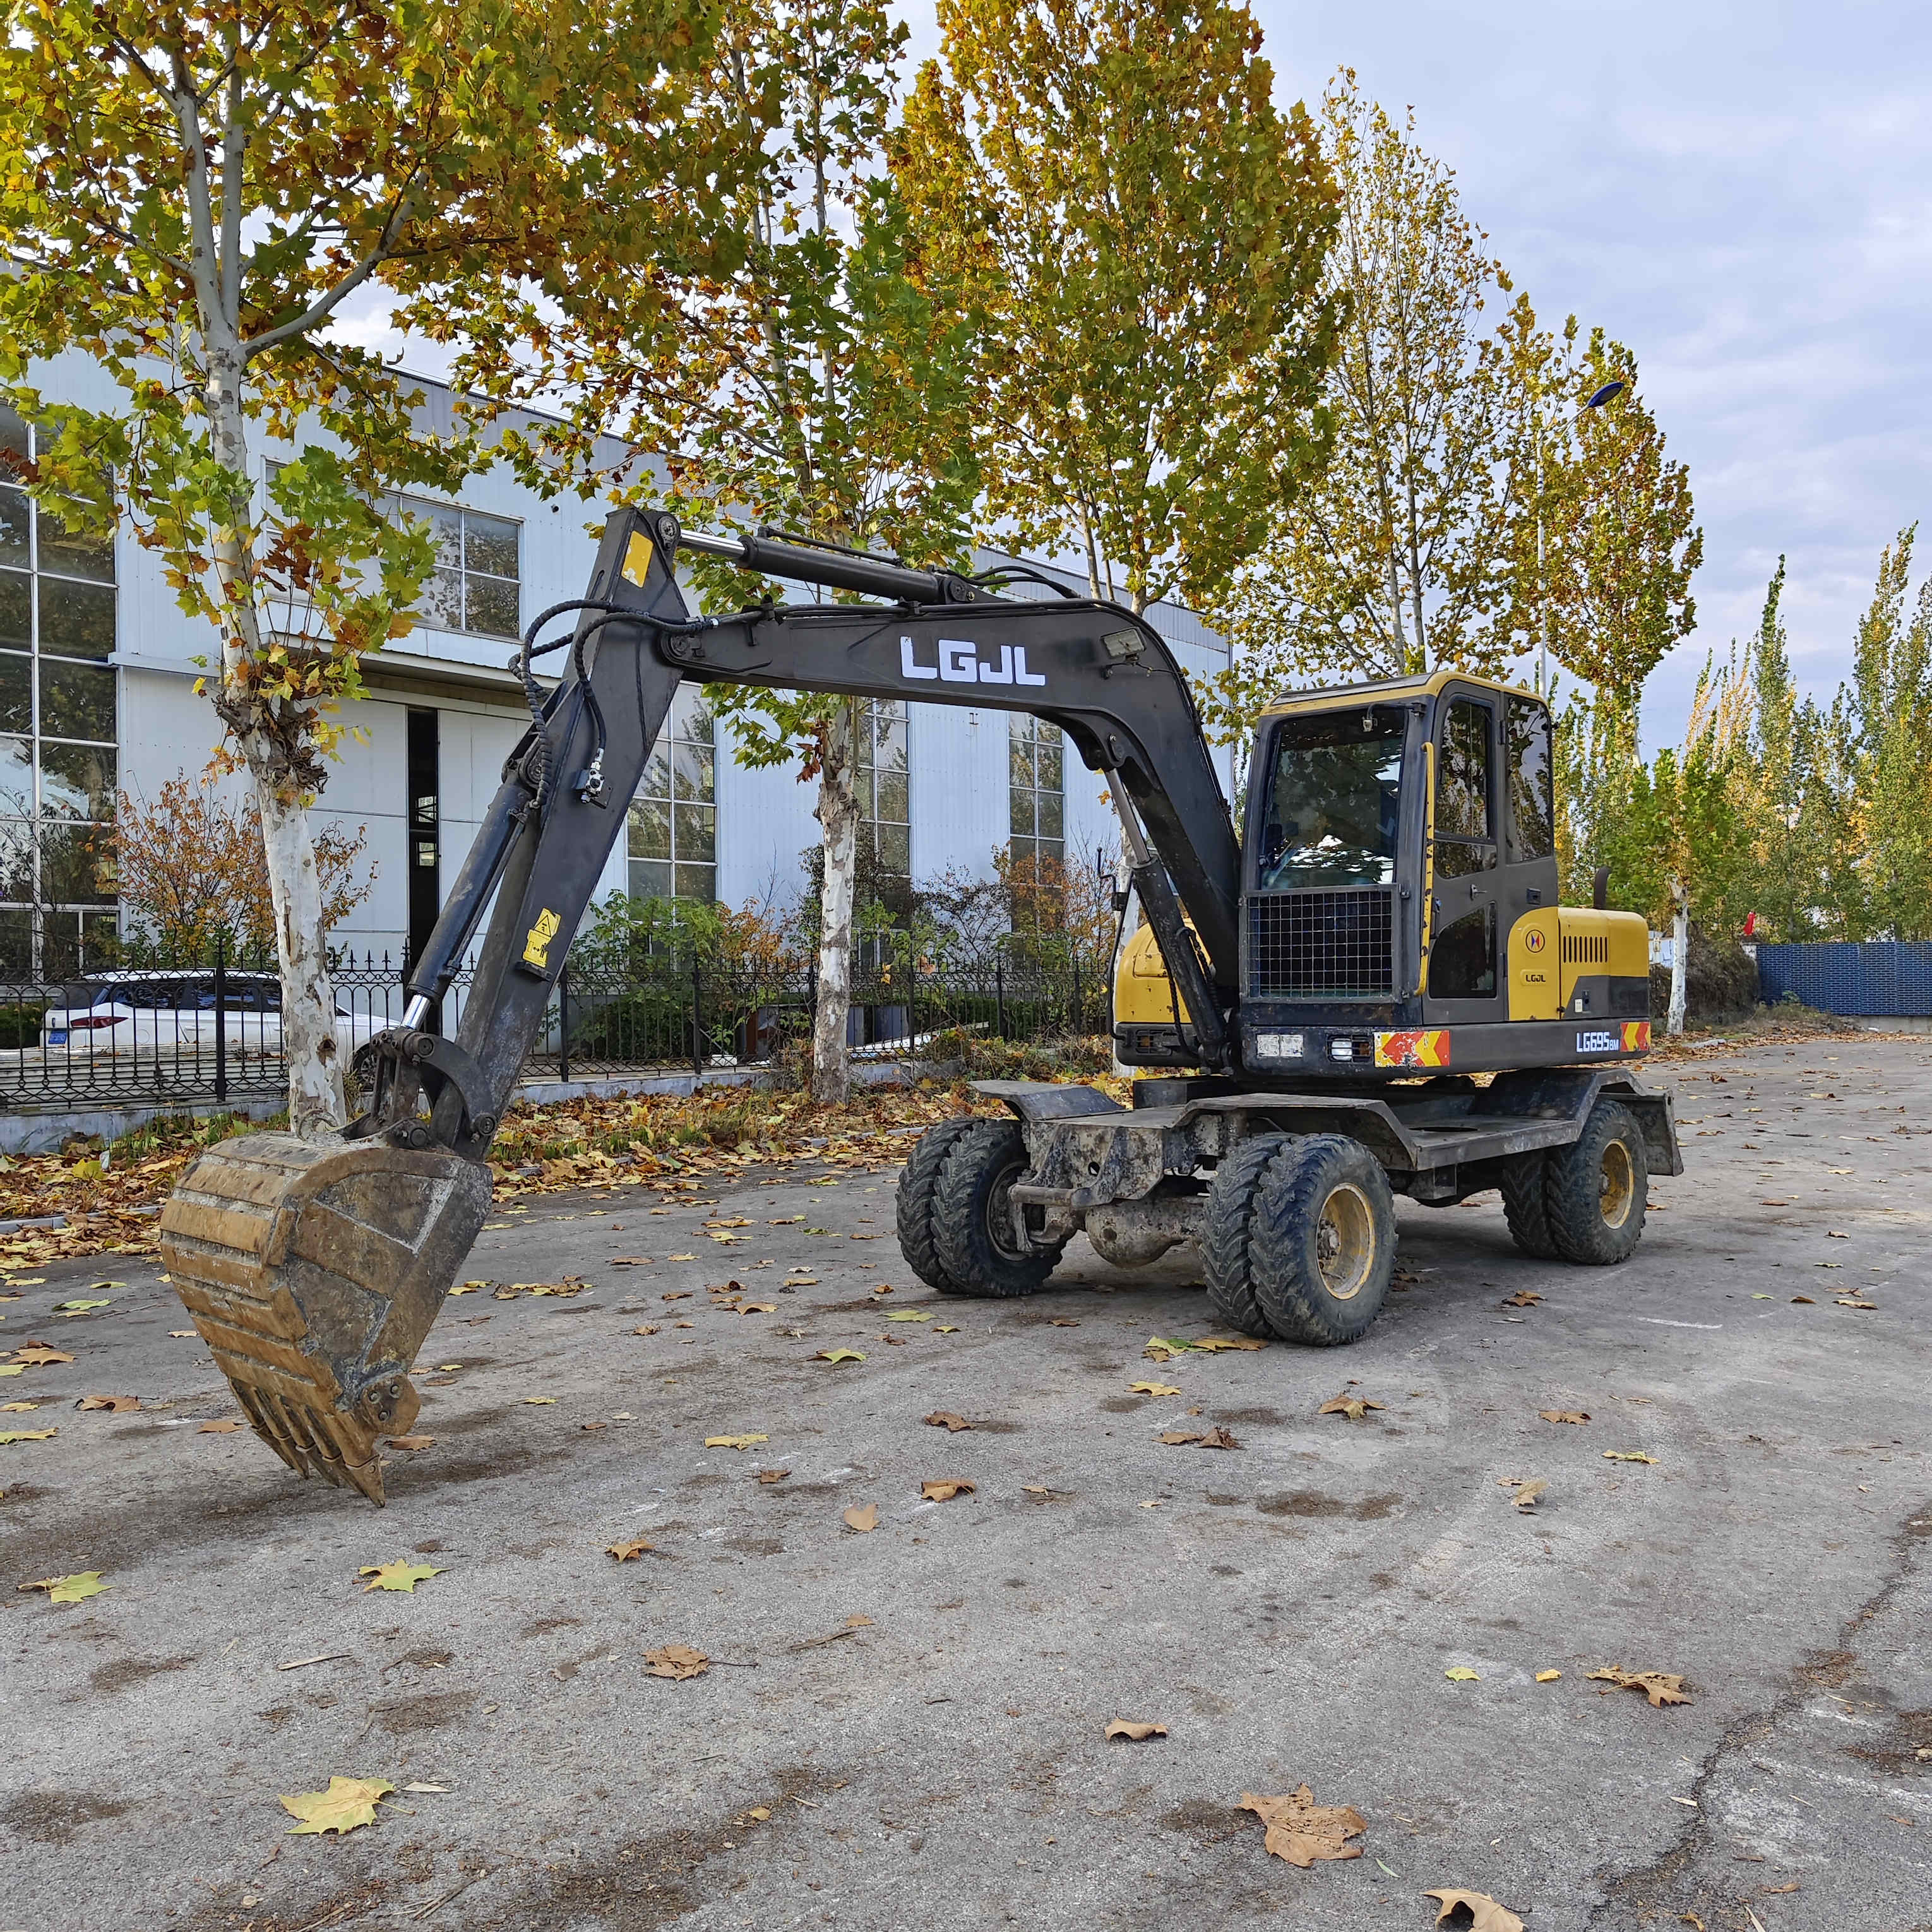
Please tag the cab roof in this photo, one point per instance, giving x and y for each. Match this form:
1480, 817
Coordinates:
1429, 685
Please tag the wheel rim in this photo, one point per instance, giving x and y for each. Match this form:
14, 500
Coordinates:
1345, 1242
1616, 1191
999, 1228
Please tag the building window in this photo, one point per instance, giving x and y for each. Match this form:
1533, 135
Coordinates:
475, 586
880, 779
673, 834
1036, 757
58, 730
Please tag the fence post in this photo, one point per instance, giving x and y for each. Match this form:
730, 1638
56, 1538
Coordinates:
220, 1019
1000, 997
1078, 1015
697, 1018
563, 1022
912, 990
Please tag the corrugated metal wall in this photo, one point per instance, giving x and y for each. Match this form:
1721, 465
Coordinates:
1880, 977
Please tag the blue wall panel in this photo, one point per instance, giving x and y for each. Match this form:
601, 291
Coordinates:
1881, 977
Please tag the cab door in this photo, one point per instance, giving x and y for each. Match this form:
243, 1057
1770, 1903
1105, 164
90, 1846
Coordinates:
1464, 983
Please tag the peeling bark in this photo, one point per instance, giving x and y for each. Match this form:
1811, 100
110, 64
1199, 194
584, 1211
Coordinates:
838, 822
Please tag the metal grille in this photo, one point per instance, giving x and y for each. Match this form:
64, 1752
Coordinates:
1330, 945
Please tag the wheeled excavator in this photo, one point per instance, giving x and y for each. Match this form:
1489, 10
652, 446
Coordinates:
1374, 991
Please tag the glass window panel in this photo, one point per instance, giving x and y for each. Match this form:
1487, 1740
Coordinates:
74, 553
1048, 763
1532, 795
655, 782
16, 692
1463, 773
489, 545
692, 773
650, 879
650, 830
1023, 851
12, 431
1457, 858
17, 938
17, 610
76, 700
1462, 959
17, 858
695, 826
1050, 824
1333, 799
99, 932
440, 603
77, 619
17, 777
1019, 762
1020, 816
494, 609
690, 716
697, 882
77, 865
894, 797
446, 530
895, 849
1053, 850
14, 549
892, 746
77, 781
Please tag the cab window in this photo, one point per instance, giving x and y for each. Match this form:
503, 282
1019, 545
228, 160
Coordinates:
1464, 791
1334, 792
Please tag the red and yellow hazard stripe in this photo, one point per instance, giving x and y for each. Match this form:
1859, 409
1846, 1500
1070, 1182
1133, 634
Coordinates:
1415, 1046
1636, 1036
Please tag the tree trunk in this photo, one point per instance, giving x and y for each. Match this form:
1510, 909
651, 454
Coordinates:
1680, 955
838, 821
308, 999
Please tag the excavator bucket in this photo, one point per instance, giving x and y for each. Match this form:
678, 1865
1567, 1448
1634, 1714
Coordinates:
313, 1270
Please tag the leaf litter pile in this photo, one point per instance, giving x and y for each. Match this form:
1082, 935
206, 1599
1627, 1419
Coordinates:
589, 1142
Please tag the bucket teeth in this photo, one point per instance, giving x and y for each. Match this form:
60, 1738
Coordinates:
312, 1271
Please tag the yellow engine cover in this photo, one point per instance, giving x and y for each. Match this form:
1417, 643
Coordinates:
1144, 995
1552, 947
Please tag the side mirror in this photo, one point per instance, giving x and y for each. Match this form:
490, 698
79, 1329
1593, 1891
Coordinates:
1600, 888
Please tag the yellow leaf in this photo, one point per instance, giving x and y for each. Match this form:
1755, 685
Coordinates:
73, 1308
1155, 1388
75, 1589
1627, 1455
734, 1441
945, 1330
27, 1434
1461, 1673
909, 1314
1576, 1415
862, 1516
945, 1490
838, 1355
1355, 1407
945, 1419
624, 1552
540, 1401
468, 1287
227, 1426
397, 1576
1137, 1733
677, 1661
1246, 1342
349, 1802
1548, 1676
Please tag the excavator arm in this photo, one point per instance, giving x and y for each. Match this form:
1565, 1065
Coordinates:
315, 1270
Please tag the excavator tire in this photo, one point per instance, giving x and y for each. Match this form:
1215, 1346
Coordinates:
1525, 1207
313, 1270
972, 1233
918, 1184
1322, 1248
1598, 1188
1229, 1229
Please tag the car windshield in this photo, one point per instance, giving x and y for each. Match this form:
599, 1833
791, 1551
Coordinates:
1334, 790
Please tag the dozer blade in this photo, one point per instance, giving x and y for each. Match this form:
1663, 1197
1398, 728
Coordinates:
313, 1270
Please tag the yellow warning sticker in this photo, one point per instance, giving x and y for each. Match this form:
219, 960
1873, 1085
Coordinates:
536, 947
637, 559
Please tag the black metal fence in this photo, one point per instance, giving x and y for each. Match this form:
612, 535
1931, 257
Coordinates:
210, 1029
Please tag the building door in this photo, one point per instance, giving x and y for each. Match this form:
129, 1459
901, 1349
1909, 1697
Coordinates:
424, 813
1465, 979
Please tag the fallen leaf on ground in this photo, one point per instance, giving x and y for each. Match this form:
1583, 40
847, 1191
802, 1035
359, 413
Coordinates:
1852, 1301
1055, 1321
1627, 1455
944, 1418
624, 1552
27, 1434
944, 1491
1153, 1388
540, 1401
347, 1803
734, 1441
909, 1314
1485, 1914
1659, 1686
1461, 1673
944, 1329
182, 1334
75, 1589
17, 1408
1565, 1415
410, 1442
1301, 1831
1524, 1297
862, 1516
785, 1221
773, 1475
647, 1329
1527, 1493
227, 1426
1179, 1436
1806, 1299
1548, 1676
801, 1281
1247, 1343
1138, 1733
678, 1294
1355, 1407
759, 1308
468, 1287
73, 1308
1160, 1349
858, 1620
115, 1404
397, 1576
39, 1355
13, 1368
838, 1355
677, 1661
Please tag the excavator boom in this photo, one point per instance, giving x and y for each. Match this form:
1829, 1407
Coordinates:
314, 1271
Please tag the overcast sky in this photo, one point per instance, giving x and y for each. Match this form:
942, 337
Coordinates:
1742, 194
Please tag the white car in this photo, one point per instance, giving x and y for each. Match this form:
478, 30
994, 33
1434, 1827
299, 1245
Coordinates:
164, 1015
